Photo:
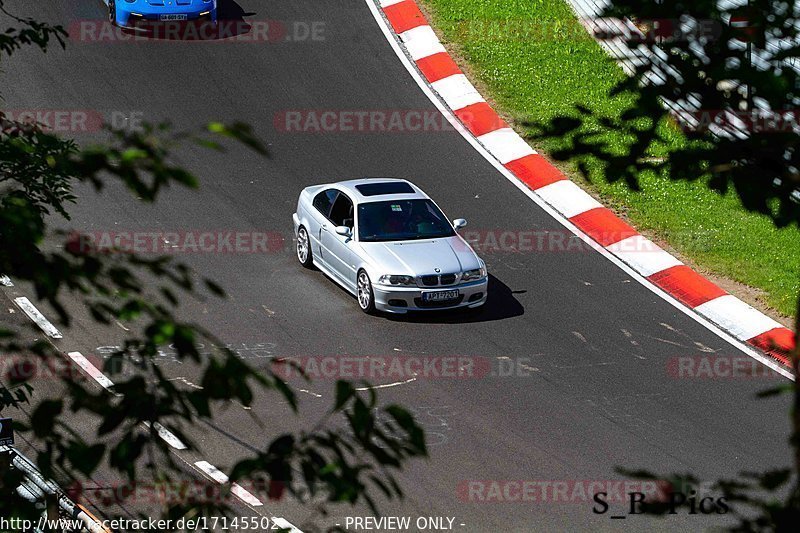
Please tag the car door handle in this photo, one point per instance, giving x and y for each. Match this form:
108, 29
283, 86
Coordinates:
324, 227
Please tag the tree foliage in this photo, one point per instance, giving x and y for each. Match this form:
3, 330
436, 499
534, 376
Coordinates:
354, 451
719, 72
728, 75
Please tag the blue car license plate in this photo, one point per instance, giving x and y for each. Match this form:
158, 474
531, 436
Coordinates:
167, 18
439, 296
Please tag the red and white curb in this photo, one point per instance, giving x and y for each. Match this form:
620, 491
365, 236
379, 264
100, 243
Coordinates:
442, 75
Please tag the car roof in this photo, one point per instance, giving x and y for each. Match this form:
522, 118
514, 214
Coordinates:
350, 187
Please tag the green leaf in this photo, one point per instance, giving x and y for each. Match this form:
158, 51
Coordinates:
43, 419
344, 391
775, 391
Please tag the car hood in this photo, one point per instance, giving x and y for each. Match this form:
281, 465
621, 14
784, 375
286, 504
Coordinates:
450, 255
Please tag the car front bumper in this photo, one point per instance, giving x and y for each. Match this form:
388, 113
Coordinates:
392, 299
133, 16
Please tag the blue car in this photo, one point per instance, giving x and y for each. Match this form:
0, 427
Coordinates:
129, 13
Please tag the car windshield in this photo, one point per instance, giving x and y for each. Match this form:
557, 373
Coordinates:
401, 220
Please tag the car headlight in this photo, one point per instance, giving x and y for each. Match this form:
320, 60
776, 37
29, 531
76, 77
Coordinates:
471, 275
396, 280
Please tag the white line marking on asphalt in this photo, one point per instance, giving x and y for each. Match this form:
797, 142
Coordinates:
191, 465
176, 443
90, 369
5, 281
214, 473
168, 436
38, 317
386, 386
703, 348
283, 523
186, 382
448, 114
665, 341
387, 3
165, 434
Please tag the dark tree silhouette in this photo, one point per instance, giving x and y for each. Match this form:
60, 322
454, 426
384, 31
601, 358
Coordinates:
352, 453
726, 74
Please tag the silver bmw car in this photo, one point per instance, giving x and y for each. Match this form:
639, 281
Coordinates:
389, 244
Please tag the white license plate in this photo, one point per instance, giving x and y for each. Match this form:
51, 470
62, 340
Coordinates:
167, 18
439, 296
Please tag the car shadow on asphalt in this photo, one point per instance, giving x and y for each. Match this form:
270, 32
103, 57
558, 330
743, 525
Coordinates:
231, 10
500, 305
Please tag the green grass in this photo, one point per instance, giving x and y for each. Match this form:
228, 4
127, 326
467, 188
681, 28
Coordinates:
536, 62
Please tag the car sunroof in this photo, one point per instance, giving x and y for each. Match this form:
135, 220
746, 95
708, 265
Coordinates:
386, 187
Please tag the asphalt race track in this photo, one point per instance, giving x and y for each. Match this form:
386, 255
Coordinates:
591, 348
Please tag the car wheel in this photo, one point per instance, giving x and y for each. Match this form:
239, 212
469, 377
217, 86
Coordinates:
366, 299
304, 248
112, 12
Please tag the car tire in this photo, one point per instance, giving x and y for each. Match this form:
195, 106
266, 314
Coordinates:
112, 12
364, 293
303, 248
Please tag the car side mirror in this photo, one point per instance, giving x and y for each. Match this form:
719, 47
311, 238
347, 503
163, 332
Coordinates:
344, 231
459, 223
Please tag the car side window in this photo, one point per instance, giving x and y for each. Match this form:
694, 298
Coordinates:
324, 200
342, 212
